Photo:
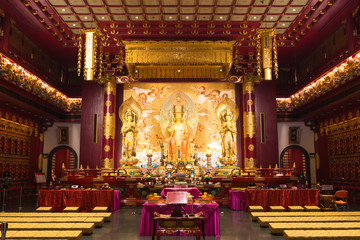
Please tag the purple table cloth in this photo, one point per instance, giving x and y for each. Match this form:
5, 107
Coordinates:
193, 191
211, 216
237, 200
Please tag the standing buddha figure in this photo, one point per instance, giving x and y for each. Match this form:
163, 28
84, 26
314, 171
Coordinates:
179, 133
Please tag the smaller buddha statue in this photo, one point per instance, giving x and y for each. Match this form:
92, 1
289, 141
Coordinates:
228, 134
129, 131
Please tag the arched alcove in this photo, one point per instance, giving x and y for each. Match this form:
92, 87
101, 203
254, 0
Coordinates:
58, 156
300, 156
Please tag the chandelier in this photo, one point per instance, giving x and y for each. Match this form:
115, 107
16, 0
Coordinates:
266, 48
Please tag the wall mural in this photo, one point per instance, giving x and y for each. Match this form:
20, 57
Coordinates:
200, 102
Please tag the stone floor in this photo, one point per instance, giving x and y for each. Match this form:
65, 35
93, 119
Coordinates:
234, 225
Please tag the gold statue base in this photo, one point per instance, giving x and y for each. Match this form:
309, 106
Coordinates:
225, 171
132, 171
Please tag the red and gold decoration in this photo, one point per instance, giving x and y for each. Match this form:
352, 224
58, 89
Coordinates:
339, 75
109, 122
22, 78
266, 48
249, 121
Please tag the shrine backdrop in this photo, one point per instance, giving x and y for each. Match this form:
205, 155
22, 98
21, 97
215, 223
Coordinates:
205, 96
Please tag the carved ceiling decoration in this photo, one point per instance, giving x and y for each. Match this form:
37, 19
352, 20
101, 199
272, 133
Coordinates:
179, 59
173, 19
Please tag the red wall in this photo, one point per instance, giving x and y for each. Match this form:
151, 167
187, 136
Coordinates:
92, 102
265, 101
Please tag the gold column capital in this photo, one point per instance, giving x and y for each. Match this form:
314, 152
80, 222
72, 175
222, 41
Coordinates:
109, 84
249, 84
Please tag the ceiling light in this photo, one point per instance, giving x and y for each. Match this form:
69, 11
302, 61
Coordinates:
74, 24
254, 17
63, 10
179, 70
136, 17
85, 17
221, 17
187, 17
170, 17
283, 24
136, 70
294, 9
102, 17
220, 70
271, 17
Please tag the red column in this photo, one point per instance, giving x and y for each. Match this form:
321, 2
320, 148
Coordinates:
249, 122
109, 122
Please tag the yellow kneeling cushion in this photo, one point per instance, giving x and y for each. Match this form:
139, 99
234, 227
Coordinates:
71, 209
256, 209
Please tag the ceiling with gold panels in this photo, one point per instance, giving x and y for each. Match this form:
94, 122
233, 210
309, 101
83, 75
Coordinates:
185, 19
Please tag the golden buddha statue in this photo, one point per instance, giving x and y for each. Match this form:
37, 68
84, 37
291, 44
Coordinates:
129, 131
178, 130
130, 114
227, 112
228, 134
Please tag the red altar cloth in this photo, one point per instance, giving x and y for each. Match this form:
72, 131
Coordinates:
282, 197
85, 199
236, 200
211, 216
193, 191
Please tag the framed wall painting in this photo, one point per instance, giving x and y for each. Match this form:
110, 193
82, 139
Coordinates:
294, 135
63, 135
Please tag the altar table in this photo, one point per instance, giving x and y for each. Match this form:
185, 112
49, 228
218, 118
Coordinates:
237, 200
193, 191
282, 197
85, 199
210, 210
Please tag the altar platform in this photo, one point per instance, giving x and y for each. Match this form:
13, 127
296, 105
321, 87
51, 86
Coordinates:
133, 190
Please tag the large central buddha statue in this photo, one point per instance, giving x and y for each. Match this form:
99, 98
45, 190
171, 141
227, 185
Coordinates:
179, 133
178, 121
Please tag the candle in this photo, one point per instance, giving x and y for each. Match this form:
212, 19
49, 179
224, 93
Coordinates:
179, 153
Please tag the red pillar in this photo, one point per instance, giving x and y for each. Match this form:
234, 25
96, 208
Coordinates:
249, 122
109, 122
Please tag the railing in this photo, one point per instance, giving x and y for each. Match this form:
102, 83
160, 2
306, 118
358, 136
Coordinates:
94, 172
263, 172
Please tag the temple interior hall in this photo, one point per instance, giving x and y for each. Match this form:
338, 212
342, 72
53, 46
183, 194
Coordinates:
180, 119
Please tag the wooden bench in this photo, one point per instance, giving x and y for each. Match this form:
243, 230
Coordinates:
278, 228
264, 221
98, 221
106, 216
321, 234
72, 235
86, 228
256, 215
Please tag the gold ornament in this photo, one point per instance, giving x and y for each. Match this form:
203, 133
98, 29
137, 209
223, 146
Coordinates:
250, 102
109, 126
251, 147
266, 46
107, 148
108, 103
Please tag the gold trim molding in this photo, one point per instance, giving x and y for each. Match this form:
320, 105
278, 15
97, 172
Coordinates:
179, 59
